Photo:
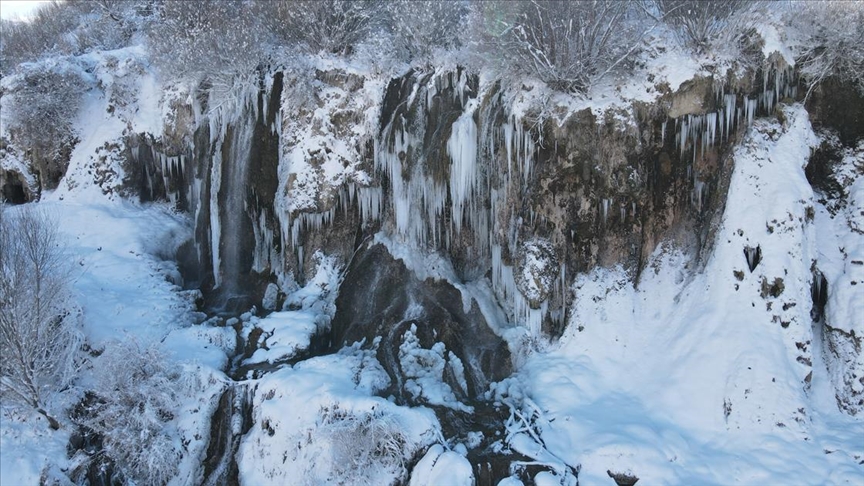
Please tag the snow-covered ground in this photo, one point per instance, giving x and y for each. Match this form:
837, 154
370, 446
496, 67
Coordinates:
706, 378
124, 277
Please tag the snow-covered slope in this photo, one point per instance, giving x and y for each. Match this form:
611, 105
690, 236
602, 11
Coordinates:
715, 377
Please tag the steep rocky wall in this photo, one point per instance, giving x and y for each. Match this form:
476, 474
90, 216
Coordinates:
447, 164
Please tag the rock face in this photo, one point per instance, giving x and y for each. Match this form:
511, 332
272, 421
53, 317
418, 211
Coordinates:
519, 196
836, 173
381, 297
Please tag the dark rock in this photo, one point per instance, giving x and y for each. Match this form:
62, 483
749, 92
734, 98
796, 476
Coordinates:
374, 301
819, 295
622, 479
12, 188
774, 289
838, 106
753, 257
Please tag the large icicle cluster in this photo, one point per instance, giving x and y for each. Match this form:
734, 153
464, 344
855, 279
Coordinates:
490, 164
695, 134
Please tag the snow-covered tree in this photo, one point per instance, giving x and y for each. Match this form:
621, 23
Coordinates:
45, 32
40, 338
832, 40
420, 27
332, 26
135, 398
206, 39
71, 28
359, 446
42, 102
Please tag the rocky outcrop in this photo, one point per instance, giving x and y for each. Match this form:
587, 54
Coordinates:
446, 164
381, 299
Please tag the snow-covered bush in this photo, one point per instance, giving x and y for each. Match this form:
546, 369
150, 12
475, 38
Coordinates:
420, 27
206, 39
833, 41
42, 100
700, 24
360, 443
46, 32
567, 44
40, 338
71, 28
134, 400
332, 26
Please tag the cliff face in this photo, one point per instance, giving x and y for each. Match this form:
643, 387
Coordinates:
477, 220
482, 174
511, 192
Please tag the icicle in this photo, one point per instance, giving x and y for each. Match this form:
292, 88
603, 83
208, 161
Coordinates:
604, 211
750, 108
711, 119
731, 100
564, 287
698, 194
215, 225
462, 148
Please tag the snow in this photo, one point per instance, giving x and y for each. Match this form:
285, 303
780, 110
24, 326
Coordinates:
439, 467
28, 446
124, 279
840, 249
693, 376
773, 42
318, 421
690, 378
423, 370
286, 334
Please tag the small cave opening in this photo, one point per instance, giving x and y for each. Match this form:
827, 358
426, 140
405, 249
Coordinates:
753, 256
12, 192
819, 294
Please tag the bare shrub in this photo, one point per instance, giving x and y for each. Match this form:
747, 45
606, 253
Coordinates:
205, 39
40, 336
46, 32
420, 27
332, 26
569, 45
350, 446
701, 23
68, 28
134, 400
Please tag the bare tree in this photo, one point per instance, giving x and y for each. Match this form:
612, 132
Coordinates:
207, 38
42, 103
45, 32
40, 338
833, 41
